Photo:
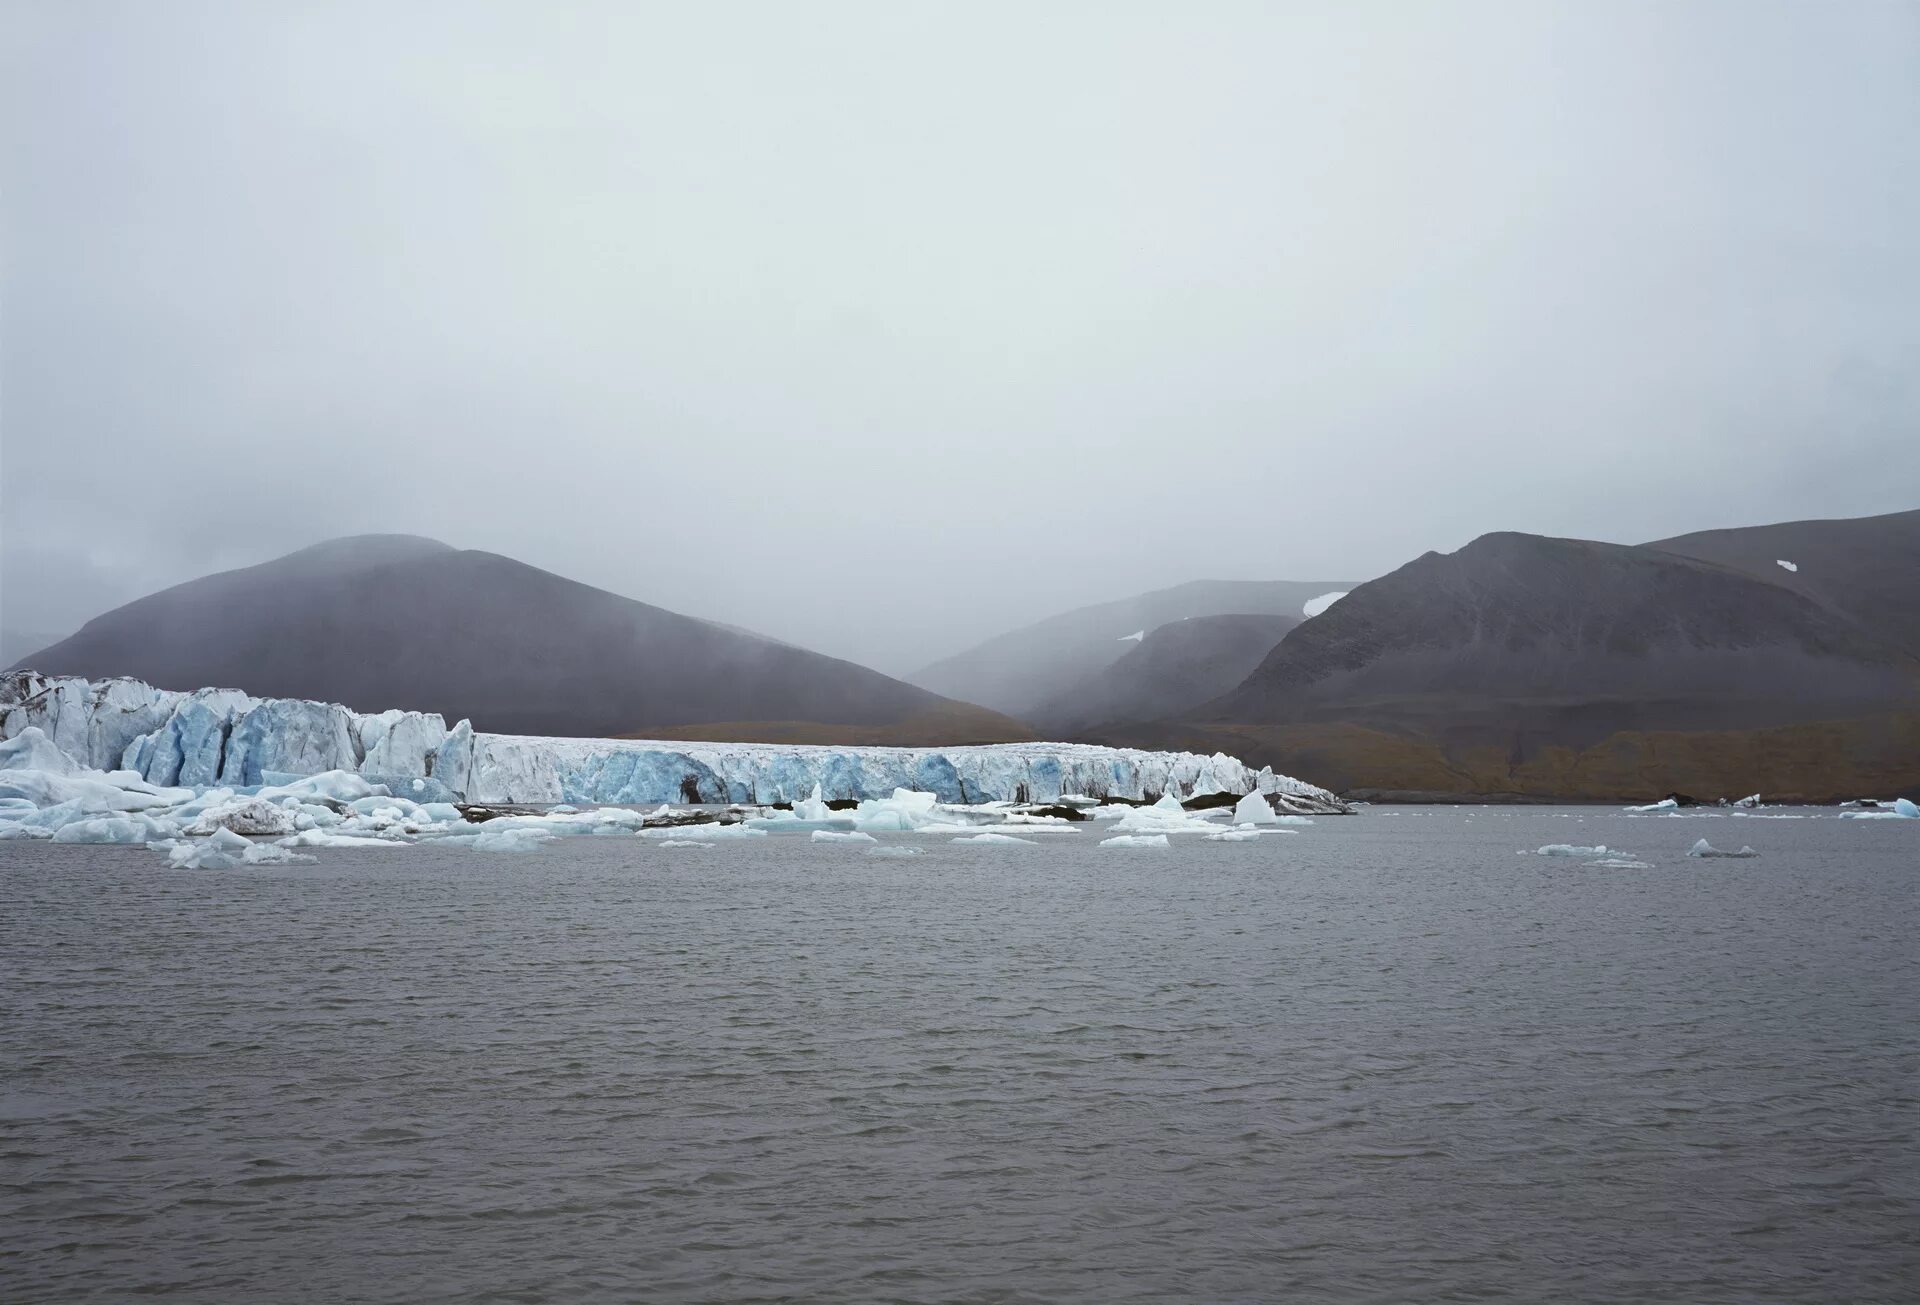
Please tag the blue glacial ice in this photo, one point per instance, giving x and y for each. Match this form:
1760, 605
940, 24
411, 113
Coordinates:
223, 737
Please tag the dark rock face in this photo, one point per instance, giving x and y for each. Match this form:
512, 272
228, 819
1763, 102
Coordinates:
1867, 569
396, 621
1524, 641
1175, 669
1019, 671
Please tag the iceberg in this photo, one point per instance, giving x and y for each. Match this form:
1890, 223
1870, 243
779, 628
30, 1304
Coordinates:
1135, 840
1254, 809
1005, 839
1572, 849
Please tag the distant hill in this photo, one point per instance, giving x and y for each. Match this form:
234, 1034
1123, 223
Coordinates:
382, 621
1174, 669
1559, 667
1021, 670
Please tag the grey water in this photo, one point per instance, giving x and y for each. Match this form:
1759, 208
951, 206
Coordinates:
1383, 1059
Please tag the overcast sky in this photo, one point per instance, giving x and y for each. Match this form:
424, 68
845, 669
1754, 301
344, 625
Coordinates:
883, 327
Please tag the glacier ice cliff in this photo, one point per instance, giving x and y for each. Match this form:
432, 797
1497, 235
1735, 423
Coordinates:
210, 737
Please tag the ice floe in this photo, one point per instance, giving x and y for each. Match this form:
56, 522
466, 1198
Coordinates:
1900, 809
1135, 840
842, 836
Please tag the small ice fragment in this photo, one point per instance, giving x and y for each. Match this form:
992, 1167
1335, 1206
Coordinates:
997, 838
892, 853
1785, 565
511, 840
683, 842
1135, 840
1704, 848
835, 836
1571, 849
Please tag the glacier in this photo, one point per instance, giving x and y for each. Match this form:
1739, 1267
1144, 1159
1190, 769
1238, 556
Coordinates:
161, 739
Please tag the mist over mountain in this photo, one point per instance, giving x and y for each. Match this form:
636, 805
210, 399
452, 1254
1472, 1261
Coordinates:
1175, 668
399, 621
1019, 671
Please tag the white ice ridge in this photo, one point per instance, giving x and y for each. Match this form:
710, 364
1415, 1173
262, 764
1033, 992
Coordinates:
222, 737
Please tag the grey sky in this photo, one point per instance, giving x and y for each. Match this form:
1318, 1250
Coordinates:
882, 327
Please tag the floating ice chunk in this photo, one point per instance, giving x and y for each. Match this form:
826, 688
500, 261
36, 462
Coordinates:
510, 840
1902, 810
1234, 836
1135, 637
253, 815
1704, 848
225, 850
683, 842
813, 807
1751, 800
1315, 606
907, 810
136, 827
894, 853
839, 836
1570, 849
1076, 800
705, 831
1785, 565
1254, 809
1135, 840
997, 838
322, 838
1618, 863
1664, 804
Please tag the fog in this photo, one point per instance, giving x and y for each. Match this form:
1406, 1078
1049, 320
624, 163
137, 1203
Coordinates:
883, 327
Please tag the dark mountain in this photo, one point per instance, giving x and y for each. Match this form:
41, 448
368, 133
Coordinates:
1019, 671
1562, 667
1866, 569
1177, 667
397, 621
